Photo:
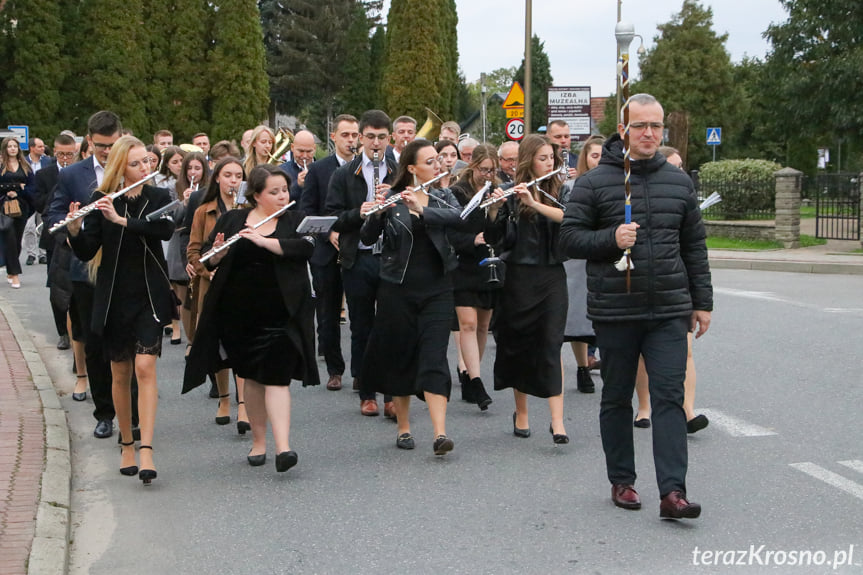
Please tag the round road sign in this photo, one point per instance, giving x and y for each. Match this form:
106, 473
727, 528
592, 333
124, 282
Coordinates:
515, 128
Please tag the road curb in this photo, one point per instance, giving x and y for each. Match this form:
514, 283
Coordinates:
787, 266
49, 553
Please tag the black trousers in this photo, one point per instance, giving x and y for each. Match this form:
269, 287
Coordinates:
361, 287
327, 281
663, 345
12, 245
98, 366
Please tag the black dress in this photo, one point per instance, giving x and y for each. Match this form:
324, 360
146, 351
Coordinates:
406, 353
531, 313
254, 331
471, 281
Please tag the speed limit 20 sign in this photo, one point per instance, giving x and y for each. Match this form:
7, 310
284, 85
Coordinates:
515, 128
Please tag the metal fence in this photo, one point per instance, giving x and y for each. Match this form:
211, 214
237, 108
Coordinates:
837, 205
742, 199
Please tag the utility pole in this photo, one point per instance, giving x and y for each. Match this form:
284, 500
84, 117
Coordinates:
482, 90
528, 9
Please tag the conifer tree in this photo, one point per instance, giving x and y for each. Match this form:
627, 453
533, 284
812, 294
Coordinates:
37, 69
377, 64
112, 64
356, 94
237, 69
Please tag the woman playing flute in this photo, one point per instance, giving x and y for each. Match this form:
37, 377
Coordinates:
259, 310
533, 303
133, 299
406, 353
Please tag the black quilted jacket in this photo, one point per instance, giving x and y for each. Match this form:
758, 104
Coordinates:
671, 275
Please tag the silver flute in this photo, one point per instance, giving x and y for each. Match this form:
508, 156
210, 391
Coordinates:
512, 191
84, 210
397, 197
237, 237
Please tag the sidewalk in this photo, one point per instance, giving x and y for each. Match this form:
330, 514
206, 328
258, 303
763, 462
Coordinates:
835, 257
35, 471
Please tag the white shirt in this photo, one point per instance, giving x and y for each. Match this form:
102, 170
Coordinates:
369, 172
100, 171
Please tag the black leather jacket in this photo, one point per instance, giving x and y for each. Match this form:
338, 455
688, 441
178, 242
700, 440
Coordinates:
395, 223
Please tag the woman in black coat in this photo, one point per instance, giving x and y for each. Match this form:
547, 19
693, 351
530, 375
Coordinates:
259, 309
133, 299
15, 176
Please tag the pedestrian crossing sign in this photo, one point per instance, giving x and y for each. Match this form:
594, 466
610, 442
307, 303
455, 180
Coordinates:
714, 136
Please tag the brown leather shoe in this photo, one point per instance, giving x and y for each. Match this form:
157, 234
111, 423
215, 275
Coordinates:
625, 496
369, 407
390, 410
675, 506
334, 383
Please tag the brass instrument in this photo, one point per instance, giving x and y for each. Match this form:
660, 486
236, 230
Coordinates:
84, 210
512, 191
284, 137
397, 197
491, 262
430, 130
237, 237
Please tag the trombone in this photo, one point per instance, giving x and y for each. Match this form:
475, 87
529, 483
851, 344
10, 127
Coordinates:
283, 140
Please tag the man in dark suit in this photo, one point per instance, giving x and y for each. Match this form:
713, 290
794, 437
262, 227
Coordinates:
351, 193
45, 183
326, 272
303, 149
75, 184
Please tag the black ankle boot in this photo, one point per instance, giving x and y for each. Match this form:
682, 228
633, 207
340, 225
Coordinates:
467, 393
584, 380
483, 400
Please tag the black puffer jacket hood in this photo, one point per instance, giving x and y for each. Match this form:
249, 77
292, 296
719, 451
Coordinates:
671, 275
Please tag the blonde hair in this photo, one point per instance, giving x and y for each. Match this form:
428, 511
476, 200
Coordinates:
111, 182
251, 156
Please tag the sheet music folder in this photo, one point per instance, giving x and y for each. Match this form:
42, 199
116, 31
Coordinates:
316, 224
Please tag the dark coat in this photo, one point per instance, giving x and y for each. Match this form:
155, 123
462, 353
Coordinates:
74, 184
396, 225
671, 275
293, 279
314, 204
470, 275
347, 193
45, 183
98, 232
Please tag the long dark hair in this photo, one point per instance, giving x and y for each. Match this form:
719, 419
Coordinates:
528, 148
213, 187
404, 179
481, 153
183, 181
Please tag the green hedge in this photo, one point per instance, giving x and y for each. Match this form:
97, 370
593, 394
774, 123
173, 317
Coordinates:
746, 186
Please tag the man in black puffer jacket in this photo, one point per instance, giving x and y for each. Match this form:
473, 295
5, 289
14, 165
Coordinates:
670, 293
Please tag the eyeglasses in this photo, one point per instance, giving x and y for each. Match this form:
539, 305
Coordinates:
69, 155
644, 125
511, 160
485, 171
378, 137
99, 146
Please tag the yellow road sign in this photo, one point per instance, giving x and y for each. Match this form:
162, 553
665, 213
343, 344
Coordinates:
515, 97
515, 112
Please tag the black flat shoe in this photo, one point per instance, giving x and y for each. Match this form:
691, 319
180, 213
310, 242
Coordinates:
147, 475
79, 396
223, 419
177, 341
519, 432
443, 445
242, 426
584, 382
256, 460
697, 423
405, 441
132, 469
285, 460
642, 423
558, 438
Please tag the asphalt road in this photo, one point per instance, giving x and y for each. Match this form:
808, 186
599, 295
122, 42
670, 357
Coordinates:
781, 466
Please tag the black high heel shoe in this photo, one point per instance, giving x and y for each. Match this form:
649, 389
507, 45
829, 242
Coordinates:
242, 426
147, 475
285, 460
80, 396
519, 432
466, 387
132, 469
558, 438
483, 400
223, 419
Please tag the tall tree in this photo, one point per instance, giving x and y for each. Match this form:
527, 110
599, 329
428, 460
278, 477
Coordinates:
377, 62
112, 69
689, 71
416, 62
815, 68
239, 90
356, 93
38, 68
541, 81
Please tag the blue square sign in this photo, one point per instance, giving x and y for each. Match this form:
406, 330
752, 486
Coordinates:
714, 136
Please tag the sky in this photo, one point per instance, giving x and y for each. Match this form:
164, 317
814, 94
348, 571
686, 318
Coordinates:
579, 34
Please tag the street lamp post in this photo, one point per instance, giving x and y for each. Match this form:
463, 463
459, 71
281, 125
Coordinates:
624, 32
528, 10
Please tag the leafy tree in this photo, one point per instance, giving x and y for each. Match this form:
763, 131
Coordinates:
815, 66
416, 61
496, 82
541, 81
32, 91
689, 71
237, 63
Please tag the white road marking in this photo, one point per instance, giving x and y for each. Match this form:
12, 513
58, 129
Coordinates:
854, 464
831, 478
770, 296
734, 426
